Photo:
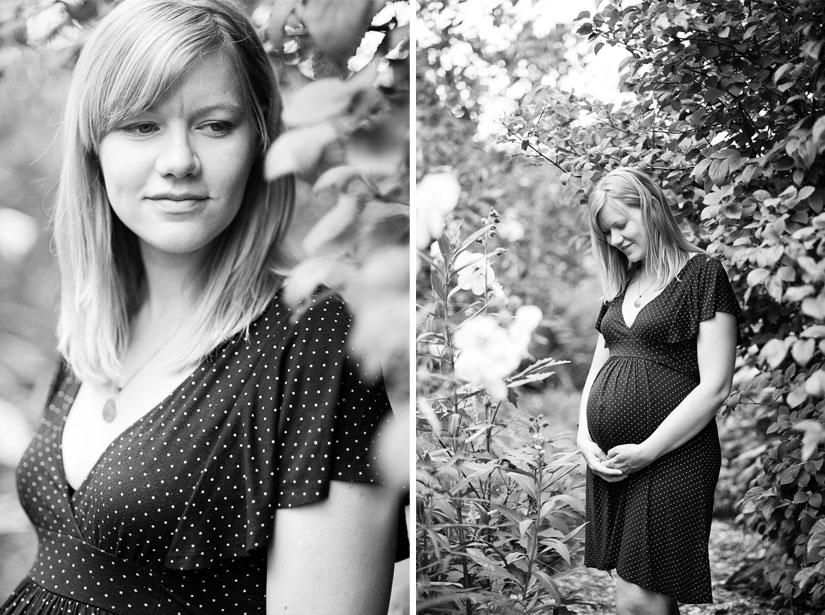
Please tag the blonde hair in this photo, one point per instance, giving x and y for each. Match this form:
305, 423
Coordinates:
666, 249
131, 60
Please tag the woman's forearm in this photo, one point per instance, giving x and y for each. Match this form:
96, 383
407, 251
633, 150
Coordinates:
690, 417
716, 353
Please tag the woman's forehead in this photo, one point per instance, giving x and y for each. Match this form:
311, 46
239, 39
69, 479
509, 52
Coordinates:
209, 83
612, 212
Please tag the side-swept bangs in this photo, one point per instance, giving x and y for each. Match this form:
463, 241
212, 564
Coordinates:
134, 58
134, 62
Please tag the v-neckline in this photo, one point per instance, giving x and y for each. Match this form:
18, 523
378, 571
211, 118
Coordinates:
71, 492
621, 297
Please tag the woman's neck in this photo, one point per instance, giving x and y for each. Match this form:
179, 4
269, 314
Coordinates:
170, 284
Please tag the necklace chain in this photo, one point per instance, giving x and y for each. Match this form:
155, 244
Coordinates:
638, 301
110, 406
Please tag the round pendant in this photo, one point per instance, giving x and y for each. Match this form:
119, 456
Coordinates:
109, 410
637, 303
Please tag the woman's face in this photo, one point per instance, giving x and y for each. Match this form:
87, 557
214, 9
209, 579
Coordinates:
175, 175
623, 229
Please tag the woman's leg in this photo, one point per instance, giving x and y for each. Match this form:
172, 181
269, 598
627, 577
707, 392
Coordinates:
634, 600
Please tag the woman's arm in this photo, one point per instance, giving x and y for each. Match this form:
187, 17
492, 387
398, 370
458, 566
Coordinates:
716, 353
334, 556
593, 454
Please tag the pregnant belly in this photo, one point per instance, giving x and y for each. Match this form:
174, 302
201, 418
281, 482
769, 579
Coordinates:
630, 397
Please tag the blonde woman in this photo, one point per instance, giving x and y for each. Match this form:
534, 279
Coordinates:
204, 449
662, 367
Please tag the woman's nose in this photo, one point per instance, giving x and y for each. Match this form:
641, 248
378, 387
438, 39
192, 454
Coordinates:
178, 158
615, 238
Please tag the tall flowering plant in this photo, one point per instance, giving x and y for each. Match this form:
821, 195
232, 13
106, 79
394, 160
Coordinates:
500, 504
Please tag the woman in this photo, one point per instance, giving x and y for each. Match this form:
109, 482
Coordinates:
662, 367
205, 449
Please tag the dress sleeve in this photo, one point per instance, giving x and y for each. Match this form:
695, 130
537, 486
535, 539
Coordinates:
600, 317
716, 294
302, 416
704, 294
330, 412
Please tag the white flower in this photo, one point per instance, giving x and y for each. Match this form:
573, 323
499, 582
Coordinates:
488, 353
474, 274
486, 356
527, 318
436, 195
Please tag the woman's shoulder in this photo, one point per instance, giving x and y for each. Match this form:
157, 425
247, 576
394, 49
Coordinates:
709, 267
323, 312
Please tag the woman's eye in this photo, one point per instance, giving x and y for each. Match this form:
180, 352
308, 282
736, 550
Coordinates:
140, 128
218, 128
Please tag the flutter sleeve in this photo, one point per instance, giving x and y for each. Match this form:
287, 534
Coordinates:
716, 294
702, 295
330, 412
302, 416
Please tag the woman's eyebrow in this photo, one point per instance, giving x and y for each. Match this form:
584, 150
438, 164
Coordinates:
227, 106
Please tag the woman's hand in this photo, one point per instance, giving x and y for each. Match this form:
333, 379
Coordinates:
629, 458
595, 458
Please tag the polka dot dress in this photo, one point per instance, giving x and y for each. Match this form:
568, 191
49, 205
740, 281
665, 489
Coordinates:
176, 515
653, 527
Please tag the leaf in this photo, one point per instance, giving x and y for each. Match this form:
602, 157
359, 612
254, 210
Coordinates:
318, 101
757, 276
814, 433
802, 351
773, 352
798, 293
781, 71
814, 307
299, 150
814, 331
333, 224
818, 134
796, 397
815, 384
336, 177
309, 275
337, 26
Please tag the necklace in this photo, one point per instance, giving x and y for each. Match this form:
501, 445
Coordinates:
638, 301
110, 407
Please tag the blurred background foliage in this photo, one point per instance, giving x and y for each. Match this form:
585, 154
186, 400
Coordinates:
721, 102
344, 71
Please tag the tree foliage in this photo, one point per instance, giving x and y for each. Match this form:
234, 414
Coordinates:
728, 117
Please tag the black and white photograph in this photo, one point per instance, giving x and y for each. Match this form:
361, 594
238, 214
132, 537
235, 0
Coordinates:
205, 307
620, 313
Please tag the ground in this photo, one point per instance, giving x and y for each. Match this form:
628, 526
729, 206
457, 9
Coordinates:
591, 591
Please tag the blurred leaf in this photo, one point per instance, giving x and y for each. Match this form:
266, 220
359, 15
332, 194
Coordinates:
337, 26
333, 224
299, 150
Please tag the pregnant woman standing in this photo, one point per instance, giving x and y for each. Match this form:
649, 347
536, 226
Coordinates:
662, 367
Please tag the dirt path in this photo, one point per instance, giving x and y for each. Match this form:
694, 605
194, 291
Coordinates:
592, 590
